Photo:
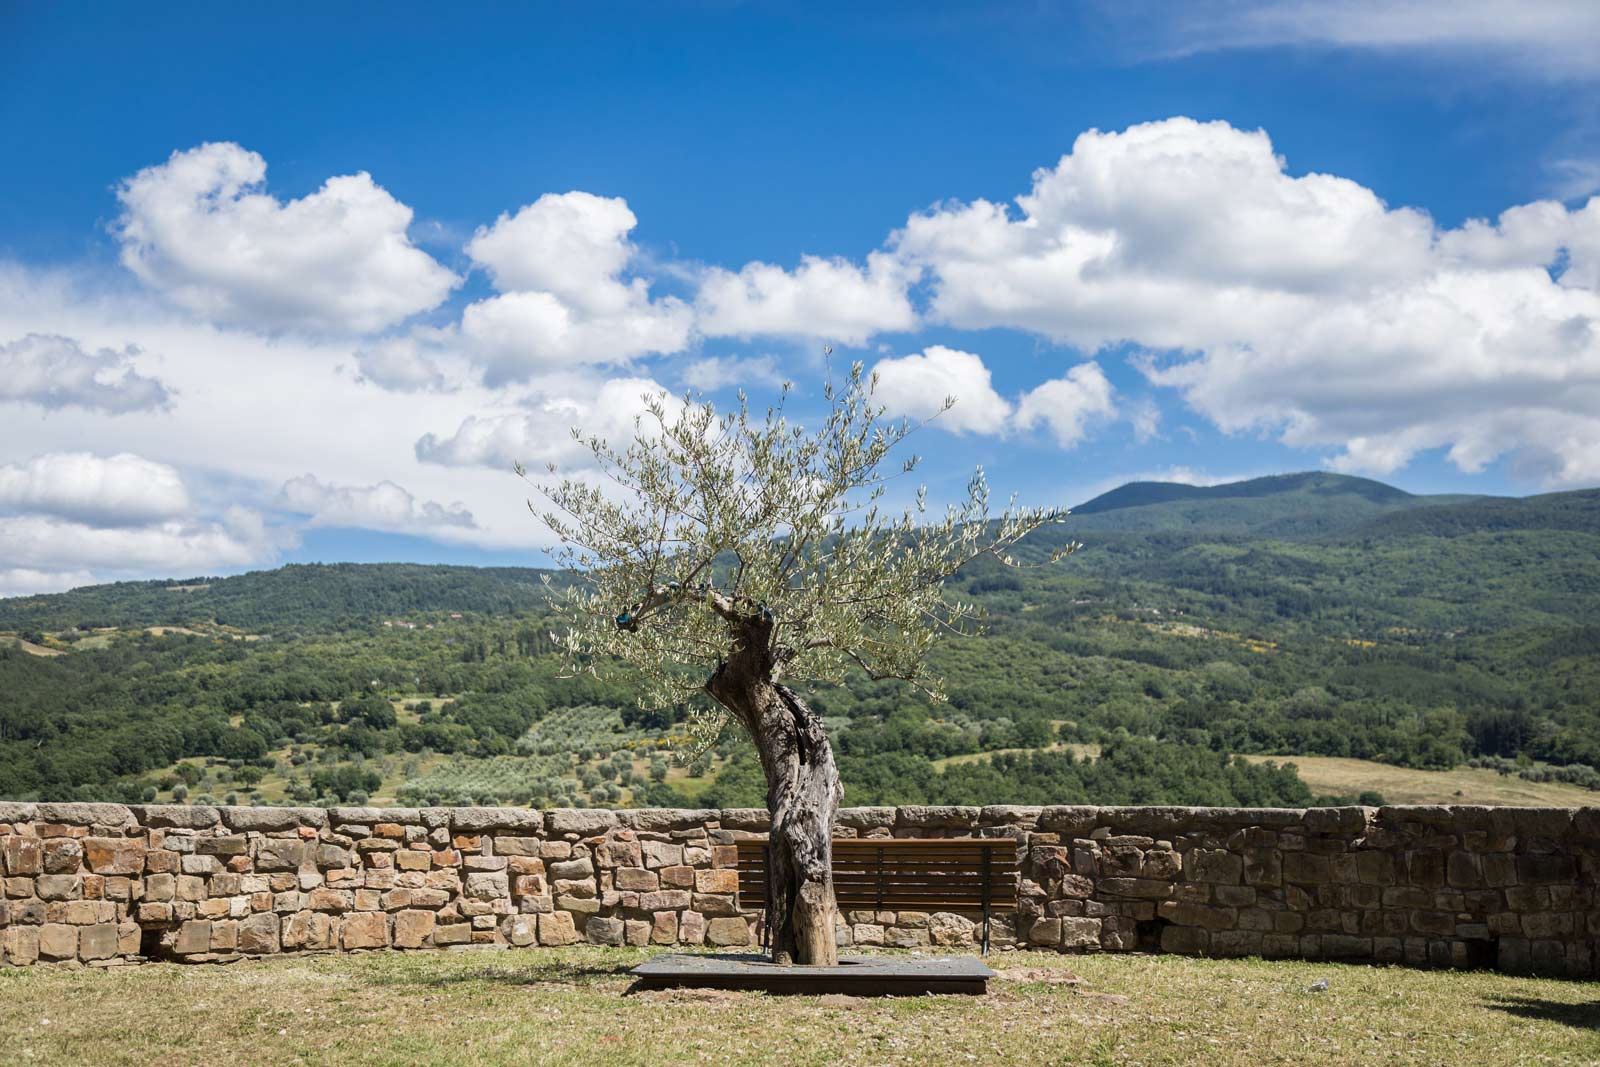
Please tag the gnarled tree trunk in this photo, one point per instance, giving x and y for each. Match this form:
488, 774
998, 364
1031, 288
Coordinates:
803, 794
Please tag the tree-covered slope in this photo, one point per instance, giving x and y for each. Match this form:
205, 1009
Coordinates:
1421, 634
298, 595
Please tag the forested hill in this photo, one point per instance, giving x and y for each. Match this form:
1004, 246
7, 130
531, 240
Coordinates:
1309, 507
298, 595
1289, 506
1311, 615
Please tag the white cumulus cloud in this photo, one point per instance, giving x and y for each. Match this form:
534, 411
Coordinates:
714, 372
918, 385
1303, 304
558, 264
199, 229
1067, 405
21, 581
46, 543
385, 506
118, 489
829, 299
56, 372
544, 436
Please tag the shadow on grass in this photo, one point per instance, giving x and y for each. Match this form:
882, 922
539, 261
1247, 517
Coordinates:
1581, 1016
543, 974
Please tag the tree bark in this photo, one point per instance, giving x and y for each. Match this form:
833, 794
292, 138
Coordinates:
803, 794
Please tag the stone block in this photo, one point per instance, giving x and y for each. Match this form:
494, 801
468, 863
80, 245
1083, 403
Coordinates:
665, 900
364, 930
556, 928
664, 928
108, 815
193, 936
947, 928
1080, 933
58, 941
488, 885
324, 899
412, 859
901, 937
577, 905
226, 845
1185, 940
62, 855
155, 912
114, 855
176, 816
585, 822
867, 934
638, 879
517, 846
946, 816
98, 942
413, 929
19, 945
603, 930
664, 820
22, 855
59, 886
260, 934
728, 932
521, 930
658, 854
716, 881
283, 853
1262, 867
679, 877
452, 934
1535, 868
1305, 868
1215, 865
271, 820
571, 869
1463, 870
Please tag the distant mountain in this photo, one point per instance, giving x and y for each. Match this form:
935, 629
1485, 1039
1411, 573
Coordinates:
1283, 506
1145, 532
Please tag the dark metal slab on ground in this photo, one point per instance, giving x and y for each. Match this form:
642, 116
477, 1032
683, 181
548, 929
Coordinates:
868, 976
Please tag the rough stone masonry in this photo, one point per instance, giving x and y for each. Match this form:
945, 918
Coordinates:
104, 884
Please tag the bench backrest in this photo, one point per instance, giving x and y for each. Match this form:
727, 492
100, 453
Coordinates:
935, 874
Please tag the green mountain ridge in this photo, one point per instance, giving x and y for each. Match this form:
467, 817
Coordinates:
1291, 507
1301, 615
1285, 506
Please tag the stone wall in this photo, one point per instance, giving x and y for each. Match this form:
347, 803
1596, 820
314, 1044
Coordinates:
103, 884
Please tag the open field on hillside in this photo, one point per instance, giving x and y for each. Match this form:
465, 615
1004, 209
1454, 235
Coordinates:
1402, 785
553, 1007
1333, 776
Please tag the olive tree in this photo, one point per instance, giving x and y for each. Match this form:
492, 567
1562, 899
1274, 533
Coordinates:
731, 558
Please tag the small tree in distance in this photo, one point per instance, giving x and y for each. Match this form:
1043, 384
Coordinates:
731, 558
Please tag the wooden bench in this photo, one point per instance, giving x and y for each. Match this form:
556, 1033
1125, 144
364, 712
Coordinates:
895, 873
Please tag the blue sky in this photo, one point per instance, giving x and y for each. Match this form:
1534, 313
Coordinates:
299, 284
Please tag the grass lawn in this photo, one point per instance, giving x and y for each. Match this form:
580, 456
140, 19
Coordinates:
568, 1007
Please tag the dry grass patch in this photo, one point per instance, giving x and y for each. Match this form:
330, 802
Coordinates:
1403, 785
569, 1007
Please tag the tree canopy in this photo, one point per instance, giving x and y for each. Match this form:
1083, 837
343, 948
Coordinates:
707, 518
